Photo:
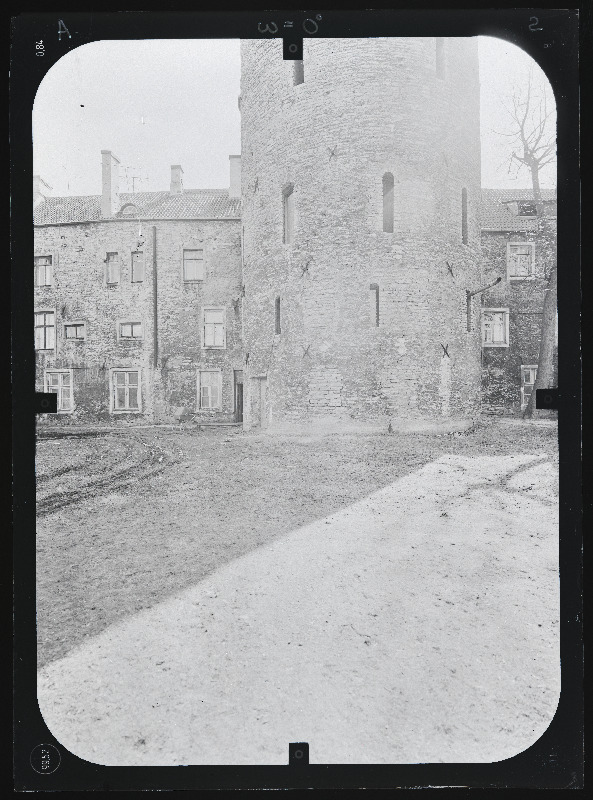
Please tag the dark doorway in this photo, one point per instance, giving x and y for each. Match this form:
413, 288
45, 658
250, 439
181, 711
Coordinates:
238, 396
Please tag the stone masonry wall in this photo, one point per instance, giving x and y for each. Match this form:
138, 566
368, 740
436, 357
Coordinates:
366, 107
80, 293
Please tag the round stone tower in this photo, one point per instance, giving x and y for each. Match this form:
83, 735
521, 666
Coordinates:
360, 190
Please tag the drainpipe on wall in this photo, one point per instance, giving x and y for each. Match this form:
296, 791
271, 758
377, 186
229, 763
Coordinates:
155, 300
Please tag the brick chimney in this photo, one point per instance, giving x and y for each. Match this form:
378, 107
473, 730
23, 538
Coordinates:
176, 179
41, 190
110, 184
235, 182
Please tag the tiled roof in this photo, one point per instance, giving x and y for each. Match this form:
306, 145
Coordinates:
197, 204
496, 216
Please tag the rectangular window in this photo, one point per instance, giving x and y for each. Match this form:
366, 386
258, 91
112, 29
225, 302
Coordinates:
520, 260
210, 390
43, 271
193, 265
137, 266
125, 390
214, 327
288, 215
112, 271
45, 330
277, 315
527, 210
75, 330
528, 376
60, 383
495, 327
130, 330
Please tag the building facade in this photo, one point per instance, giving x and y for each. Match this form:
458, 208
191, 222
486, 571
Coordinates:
520, 248
138, 302
328, 286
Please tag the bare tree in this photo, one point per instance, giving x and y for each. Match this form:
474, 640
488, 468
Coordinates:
533, 141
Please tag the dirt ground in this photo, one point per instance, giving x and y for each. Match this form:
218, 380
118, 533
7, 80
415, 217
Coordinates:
126, 520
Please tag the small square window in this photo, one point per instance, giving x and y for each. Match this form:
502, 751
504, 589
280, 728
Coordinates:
527, 210
520, 260
75, 331
495, 327
112, 271
130, 330
43, 271
209, 390
60, 383
193, 265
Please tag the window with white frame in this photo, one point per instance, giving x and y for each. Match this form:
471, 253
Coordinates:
520, 260
43, 271
214, 327
528, 376
495, 327
45, 330
75, 331
112, 269
125, 390
137, 266
209, 389
193, 265
60, 382
130, 330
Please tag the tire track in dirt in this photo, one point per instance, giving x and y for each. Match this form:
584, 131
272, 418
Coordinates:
138, 469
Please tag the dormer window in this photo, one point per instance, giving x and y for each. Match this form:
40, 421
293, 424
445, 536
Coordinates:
129, 210
527, 210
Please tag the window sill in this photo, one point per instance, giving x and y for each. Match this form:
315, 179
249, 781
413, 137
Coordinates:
126, 411
494, 345
213, 347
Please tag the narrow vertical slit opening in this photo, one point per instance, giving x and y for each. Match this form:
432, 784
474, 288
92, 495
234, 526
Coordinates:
464, 216
388, 189
298, 74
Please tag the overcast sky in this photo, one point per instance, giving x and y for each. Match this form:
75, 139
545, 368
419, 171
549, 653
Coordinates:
158, 102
